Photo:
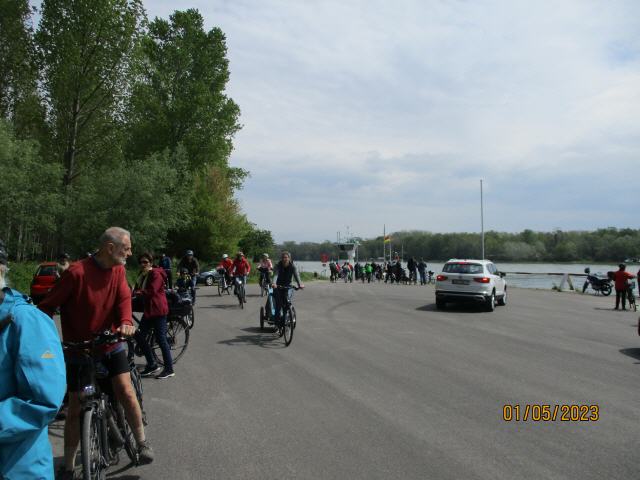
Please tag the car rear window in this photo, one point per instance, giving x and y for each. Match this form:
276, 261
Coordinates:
463, 268
46, 271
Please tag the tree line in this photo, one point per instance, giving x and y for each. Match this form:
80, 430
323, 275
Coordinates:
109, 118
602, 245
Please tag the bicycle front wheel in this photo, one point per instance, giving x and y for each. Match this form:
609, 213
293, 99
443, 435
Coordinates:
94, 465
287, 328
178, 339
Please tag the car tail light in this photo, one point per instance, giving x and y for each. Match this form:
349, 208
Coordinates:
482, 279
441, 278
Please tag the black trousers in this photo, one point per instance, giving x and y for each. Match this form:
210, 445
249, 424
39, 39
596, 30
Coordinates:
621, 294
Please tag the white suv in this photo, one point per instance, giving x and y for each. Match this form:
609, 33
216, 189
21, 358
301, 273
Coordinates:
471, 280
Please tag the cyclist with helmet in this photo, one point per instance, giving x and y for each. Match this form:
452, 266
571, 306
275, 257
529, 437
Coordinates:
32, 383
265, 268
224, 268
190, 263
241, 268
284, 272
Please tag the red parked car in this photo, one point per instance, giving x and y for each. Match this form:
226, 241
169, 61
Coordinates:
43, 280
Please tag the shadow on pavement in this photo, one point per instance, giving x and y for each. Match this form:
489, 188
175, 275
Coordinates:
451, 307
263, 338
115, 474
631, 352
224, 307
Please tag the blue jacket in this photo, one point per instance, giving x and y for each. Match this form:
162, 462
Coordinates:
32, 385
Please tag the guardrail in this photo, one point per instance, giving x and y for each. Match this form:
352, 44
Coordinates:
566, 277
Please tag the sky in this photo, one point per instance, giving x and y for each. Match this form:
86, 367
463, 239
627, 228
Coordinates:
364, 113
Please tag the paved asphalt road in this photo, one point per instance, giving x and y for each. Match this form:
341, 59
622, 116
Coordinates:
377, 384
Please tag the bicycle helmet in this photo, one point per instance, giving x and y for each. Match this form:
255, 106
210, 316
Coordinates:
189, 252
225, 256
265, 255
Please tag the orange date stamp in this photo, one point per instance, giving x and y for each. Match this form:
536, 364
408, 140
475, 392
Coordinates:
550, 413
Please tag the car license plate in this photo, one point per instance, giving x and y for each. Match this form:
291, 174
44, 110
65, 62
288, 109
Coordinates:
460, 282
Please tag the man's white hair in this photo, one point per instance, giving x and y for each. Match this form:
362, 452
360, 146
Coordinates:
114, 235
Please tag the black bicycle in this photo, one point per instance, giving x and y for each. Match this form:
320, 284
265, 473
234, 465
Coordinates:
223, 285
264, 283
631, 297
177, 337
287, 323
103, 424
240, 291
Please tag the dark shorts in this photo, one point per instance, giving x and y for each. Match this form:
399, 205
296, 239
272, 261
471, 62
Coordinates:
79, 368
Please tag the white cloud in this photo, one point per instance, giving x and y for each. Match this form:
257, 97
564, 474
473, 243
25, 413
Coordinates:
407, 104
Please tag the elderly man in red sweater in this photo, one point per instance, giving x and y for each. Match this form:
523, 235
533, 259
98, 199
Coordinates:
93, 296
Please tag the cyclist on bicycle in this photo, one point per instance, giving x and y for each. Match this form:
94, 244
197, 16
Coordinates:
224, 268
193, 267
240, 269
265, 268
93, 296
284, 272
32, 383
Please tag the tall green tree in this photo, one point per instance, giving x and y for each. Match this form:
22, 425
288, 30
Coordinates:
30, 199
86, 52
19, 99
178, 100
179, 97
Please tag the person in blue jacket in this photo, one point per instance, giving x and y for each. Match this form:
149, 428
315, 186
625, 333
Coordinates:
32, 384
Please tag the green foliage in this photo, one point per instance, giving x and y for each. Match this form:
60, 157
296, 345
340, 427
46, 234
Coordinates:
217, 223
603, 245
135, 125
20, 275
30, 197
179, 94
255, 242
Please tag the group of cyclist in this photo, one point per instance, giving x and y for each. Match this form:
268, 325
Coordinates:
284, 273
92, 296
387, 272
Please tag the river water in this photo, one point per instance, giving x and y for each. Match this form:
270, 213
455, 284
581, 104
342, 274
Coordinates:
531, 275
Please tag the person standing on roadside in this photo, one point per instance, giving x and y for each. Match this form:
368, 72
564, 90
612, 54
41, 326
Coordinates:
156, 309
165, 264
190, 263
32, 384
94, 296
422, 270
622, 278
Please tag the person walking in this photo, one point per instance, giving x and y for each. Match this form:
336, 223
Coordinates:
621, 278
156, 309
32, 384
422, 270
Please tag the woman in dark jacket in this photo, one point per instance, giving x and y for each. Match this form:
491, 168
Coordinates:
151, 285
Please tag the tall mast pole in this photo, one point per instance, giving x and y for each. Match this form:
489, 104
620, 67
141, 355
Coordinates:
482, 217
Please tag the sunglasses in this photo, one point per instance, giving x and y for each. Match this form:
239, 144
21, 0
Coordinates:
144, 262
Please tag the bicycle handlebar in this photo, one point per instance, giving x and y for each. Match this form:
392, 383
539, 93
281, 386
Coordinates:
104, 338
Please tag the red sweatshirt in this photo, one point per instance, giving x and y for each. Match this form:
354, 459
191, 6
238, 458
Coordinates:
241, 267
91, 300
622, 278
